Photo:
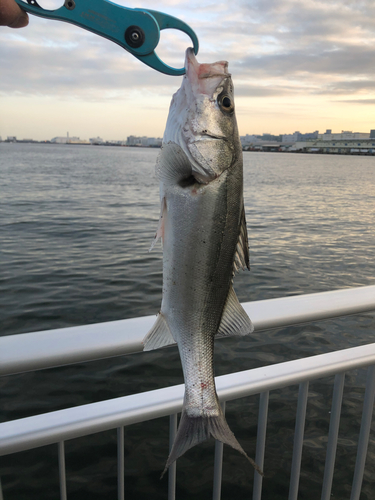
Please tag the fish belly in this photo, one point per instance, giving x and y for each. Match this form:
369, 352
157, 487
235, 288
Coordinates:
200, 237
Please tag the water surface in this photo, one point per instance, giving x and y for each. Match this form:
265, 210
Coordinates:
76, 227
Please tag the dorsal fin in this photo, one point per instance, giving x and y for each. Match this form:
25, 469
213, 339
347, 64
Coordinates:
241, 258
234, 321
160, 230
159, 335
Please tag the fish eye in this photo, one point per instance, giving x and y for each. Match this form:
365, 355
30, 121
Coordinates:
226, 104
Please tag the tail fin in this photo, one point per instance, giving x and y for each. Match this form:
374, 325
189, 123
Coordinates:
194, 430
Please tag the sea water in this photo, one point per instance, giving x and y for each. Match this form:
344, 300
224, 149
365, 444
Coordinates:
76, 226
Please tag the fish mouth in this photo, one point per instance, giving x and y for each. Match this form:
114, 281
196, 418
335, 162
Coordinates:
204, 70
190, 59
216, 137
204, 78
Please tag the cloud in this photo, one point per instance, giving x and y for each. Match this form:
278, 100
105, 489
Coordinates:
74, 64
268, 44
350, 60
290, 58
253, 90
358, 101
350, 86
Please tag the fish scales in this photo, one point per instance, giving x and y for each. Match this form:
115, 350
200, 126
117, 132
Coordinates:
203, 229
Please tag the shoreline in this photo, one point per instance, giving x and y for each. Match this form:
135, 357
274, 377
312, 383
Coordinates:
245, 150
357, 153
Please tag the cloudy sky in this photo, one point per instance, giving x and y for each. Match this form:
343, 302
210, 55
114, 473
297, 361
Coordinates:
297, 65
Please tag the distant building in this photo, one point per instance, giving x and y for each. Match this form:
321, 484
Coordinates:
248, 140
297, 136
310, 136
77, 140
143, 141
154, 142
11, 138
68, 140
96, 140
290, 138
60, 140
132, 140
269, 137
337, 146
345, 134
372, 134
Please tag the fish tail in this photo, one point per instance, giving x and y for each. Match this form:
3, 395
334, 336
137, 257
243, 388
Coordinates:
194, 430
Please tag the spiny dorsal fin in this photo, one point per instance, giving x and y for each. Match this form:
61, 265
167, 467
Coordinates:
159, 335
241, 259
234, 321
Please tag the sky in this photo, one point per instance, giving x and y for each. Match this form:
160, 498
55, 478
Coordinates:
301, 65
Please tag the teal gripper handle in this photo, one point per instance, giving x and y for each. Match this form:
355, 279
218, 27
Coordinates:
136, 30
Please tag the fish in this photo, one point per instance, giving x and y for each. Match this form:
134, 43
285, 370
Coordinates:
202, 227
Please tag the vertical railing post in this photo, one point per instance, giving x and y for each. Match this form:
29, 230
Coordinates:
298, 440
333, 433
62, 471
364, 434
261, 443
1, 491
172, 467
218, 465
120, 463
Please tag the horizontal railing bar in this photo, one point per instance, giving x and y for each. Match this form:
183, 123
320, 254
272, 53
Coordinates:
39, 430
51, 348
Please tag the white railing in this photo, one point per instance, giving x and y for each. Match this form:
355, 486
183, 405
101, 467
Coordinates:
58, 426
47, 349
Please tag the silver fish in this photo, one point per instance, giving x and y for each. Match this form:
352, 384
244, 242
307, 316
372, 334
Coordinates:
203, 229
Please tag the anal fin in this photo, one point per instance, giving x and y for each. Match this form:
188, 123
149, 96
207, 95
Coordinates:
159, 335
234, 321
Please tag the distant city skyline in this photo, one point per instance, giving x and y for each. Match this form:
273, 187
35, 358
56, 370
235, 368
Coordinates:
145, 140
295, 65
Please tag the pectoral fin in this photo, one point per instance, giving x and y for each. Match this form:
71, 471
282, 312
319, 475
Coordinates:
159, 335
172, 165
234, 321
